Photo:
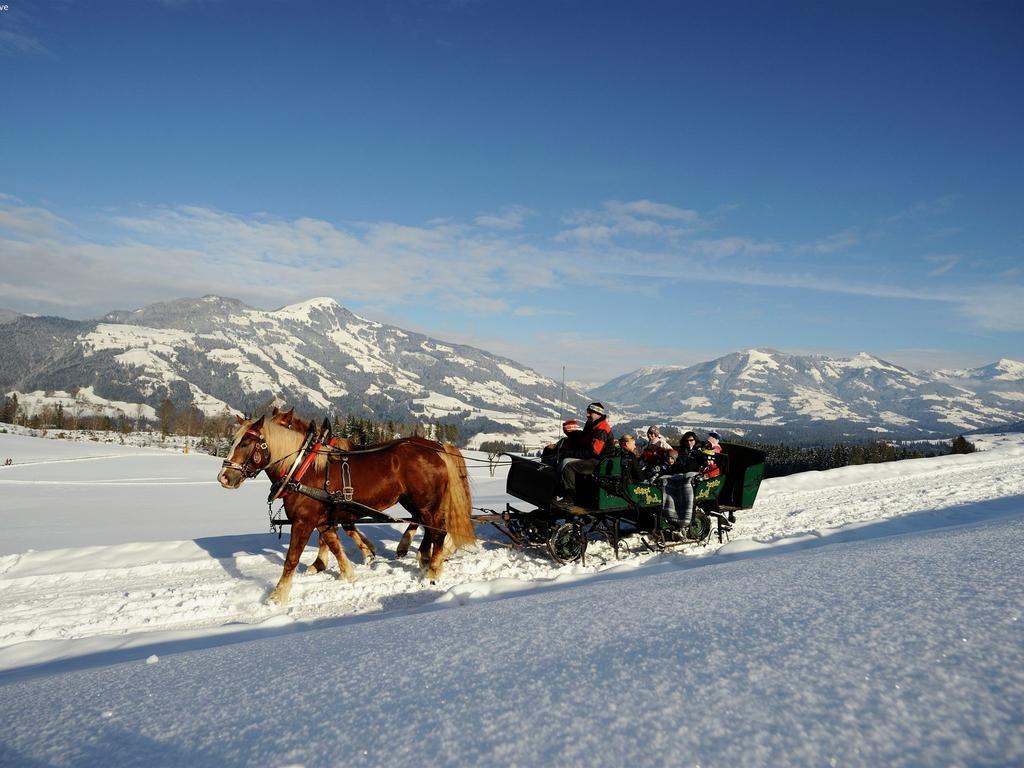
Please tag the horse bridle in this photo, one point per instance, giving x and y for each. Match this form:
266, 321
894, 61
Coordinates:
253, 465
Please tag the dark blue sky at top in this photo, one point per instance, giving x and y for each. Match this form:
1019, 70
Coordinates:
415, 110
793, 121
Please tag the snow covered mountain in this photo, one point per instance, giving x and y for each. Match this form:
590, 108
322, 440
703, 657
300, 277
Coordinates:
757, 390
217, 353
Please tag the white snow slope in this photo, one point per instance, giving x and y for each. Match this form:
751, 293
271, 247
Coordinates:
863, 616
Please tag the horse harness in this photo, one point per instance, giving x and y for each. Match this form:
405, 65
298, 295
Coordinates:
257, 461
336, 501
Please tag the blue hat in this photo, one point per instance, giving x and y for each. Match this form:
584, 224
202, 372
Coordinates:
715, 435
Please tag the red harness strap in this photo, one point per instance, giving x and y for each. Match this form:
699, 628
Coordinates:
312, 457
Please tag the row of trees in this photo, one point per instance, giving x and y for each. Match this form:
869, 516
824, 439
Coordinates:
781, 460
364, 431
214, 431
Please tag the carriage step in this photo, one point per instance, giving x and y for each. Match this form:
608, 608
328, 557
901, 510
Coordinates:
568, 508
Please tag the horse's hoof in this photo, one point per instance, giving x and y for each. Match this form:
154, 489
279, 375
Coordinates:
400, 553
278, 597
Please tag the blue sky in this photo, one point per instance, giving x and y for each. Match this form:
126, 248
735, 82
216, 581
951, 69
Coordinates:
600, 185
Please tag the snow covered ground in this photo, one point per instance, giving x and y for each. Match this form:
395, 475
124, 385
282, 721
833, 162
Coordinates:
862, 616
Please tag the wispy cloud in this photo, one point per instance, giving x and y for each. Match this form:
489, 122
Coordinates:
995, 308
925, 209
28, 221
839, 241
159, 253
636, 219
511, 217
14, 43
943, 263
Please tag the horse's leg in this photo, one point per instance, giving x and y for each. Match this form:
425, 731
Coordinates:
438, 554
301, 530
320, 564
364, 544
406, 541
346, 571
423, 554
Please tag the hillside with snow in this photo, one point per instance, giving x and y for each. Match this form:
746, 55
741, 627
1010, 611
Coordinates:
765, 392
863, 616
221, 356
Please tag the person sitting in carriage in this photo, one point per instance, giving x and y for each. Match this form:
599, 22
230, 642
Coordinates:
656, 451
658, 464
712, 448
655, 440
677, 484
568, 446
596, 439
632, 469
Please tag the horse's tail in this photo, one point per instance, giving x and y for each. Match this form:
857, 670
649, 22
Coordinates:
458, 501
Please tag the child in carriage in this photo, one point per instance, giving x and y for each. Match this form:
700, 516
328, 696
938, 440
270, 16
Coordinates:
656, 455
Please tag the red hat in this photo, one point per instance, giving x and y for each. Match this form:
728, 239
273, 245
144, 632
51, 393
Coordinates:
571, 426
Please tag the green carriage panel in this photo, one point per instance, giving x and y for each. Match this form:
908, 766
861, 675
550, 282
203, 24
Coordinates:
610, 470
743, 475
752, 478
709, 488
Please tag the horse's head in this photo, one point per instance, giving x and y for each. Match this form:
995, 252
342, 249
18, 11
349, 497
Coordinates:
248, 457
284, 418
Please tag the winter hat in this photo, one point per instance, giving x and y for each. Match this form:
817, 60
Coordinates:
713, 435
571, 426
597, 408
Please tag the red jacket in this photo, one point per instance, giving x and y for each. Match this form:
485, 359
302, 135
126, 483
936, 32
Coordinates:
597, 436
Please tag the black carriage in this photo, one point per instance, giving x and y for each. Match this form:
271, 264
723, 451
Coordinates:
608, 507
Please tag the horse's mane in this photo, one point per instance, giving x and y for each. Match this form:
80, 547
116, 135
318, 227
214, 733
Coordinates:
282, 443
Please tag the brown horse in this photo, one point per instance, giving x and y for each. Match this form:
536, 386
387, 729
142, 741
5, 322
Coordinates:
290, 420
365, 546
427, 478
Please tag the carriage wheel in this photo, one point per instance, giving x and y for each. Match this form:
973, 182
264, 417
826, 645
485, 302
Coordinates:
568, 543
700, 526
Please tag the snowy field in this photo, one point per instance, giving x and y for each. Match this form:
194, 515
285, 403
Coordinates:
861, 616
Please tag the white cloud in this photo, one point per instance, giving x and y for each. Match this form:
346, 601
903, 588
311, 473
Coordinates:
997, 308
625, 248
28, 221
653, 210
20, 44
638, 218
840, 241
943, 263
509, 218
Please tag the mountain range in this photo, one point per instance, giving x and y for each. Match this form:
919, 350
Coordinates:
765, 393
220, 355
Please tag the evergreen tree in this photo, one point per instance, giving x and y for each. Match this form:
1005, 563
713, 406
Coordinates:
10, 411
961, 444
167, 413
